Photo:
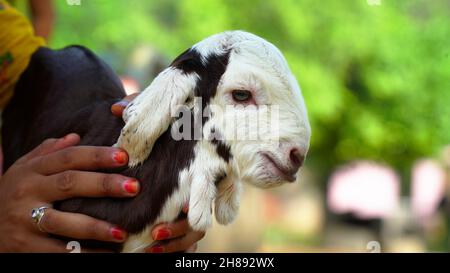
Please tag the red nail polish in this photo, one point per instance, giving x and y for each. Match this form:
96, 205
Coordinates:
117, 108
131, 186
117, 233
162, 234
156, 249
120, 157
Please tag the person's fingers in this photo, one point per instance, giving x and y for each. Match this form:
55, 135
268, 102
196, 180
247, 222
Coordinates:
70, 184
49, 245
192, 249
118, 107
170, 230
80, 226
80, 158
51, 145
176, 245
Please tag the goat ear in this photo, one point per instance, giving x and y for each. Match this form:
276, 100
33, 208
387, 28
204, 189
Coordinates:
150, 114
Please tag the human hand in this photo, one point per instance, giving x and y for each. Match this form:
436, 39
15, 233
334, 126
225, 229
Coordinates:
174, 237
54, 171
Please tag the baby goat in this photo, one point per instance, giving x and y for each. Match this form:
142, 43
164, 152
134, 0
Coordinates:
226, 111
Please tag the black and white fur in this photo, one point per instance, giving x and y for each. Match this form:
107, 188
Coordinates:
71, 90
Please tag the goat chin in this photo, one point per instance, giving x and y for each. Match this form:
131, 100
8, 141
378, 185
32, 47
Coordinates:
75, 95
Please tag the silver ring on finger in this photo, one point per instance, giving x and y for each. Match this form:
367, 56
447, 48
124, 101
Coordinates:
37, 214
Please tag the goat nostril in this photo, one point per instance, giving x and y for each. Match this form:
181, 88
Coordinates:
296, 158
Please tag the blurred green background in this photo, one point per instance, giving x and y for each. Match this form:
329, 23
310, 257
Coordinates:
375, 75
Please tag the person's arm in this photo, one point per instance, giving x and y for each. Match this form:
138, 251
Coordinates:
17, 45
42, 13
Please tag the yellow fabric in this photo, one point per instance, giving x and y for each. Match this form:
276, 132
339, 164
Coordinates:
17, 44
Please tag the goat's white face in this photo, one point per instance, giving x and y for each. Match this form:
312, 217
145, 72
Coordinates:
267, 127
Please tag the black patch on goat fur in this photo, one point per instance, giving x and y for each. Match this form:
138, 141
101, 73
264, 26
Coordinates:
219, 177
222, 149
210, 74
189, 61
71, 90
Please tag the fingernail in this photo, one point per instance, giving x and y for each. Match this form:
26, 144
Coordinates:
162, 234
122, 103
117, 233
131, 186
120, 157
66, 137
155, 249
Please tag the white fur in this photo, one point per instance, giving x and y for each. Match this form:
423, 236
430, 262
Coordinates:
227, 200
254, 65
199, 191
150, 114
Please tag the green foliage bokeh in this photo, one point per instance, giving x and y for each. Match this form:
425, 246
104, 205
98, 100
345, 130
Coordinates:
376, 78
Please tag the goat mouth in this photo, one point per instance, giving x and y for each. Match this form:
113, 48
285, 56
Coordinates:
281, 171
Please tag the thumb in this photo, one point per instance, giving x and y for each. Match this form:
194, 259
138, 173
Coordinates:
118, 107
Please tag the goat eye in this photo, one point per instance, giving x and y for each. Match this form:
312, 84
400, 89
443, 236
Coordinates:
242, 95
